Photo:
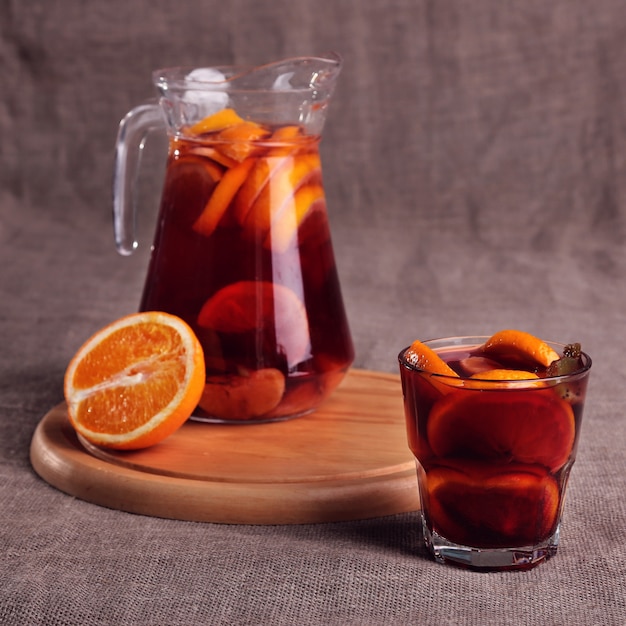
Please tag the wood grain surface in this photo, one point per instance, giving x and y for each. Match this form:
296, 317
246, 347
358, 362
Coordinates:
348, 460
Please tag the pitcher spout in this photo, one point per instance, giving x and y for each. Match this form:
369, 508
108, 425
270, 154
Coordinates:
290, 91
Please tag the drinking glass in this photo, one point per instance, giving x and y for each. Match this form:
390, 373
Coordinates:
493, 457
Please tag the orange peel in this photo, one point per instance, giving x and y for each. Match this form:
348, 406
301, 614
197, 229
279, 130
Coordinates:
222, 196
504, 378
215, 122
521, 345
424, 358
280, 189
239, 140
286, 223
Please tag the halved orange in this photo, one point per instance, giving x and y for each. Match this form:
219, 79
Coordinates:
243, 397
520, 345
135, 382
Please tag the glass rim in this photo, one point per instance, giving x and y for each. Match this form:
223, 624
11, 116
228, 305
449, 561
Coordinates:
460, 341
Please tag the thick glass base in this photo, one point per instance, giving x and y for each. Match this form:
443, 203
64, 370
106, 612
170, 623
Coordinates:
489, 559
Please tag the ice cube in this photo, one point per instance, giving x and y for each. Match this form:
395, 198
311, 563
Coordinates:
209, 89
283, 82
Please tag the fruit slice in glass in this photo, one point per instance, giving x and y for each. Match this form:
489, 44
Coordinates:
487, 506
518, 426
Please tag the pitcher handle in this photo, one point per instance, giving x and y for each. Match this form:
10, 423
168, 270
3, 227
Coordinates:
131, 137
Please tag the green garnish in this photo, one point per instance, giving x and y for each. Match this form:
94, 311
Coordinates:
572, 350
570, 362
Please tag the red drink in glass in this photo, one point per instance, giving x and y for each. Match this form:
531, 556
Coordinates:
493, 456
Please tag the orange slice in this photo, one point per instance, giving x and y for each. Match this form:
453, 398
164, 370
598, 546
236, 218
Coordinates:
504, 374
533, 426
287, 135
214, 155
503, 379
222, 196
520, 345
504, 506
286, 223
238, 141
218, 121
273, 311
243, 397
280, 189
135, 382
189, 182
424, 358
264, 168
476, 364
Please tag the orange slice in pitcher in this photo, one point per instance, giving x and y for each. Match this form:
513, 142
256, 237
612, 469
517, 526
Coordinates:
241, 397
215, 122
520, 345
264, 168
191, 179
264, 307
238, 141
286, 223
285, 134
213, 155
135, 382
280, 189
222, 196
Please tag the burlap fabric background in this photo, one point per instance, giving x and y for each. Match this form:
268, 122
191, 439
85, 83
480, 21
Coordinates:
475, 165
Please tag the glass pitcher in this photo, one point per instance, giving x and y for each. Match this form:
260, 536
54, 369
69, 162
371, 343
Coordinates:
242, 249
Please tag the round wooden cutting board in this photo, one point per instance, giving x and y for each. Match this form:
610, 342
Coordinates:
348, 460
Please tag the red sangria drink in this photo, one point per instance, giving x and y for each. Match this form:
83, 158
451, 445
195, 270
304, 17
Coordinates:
243, 254
493, 423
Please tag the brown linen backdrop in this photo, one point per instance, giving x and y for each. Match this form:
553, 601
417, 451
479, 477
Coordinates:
475, 167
